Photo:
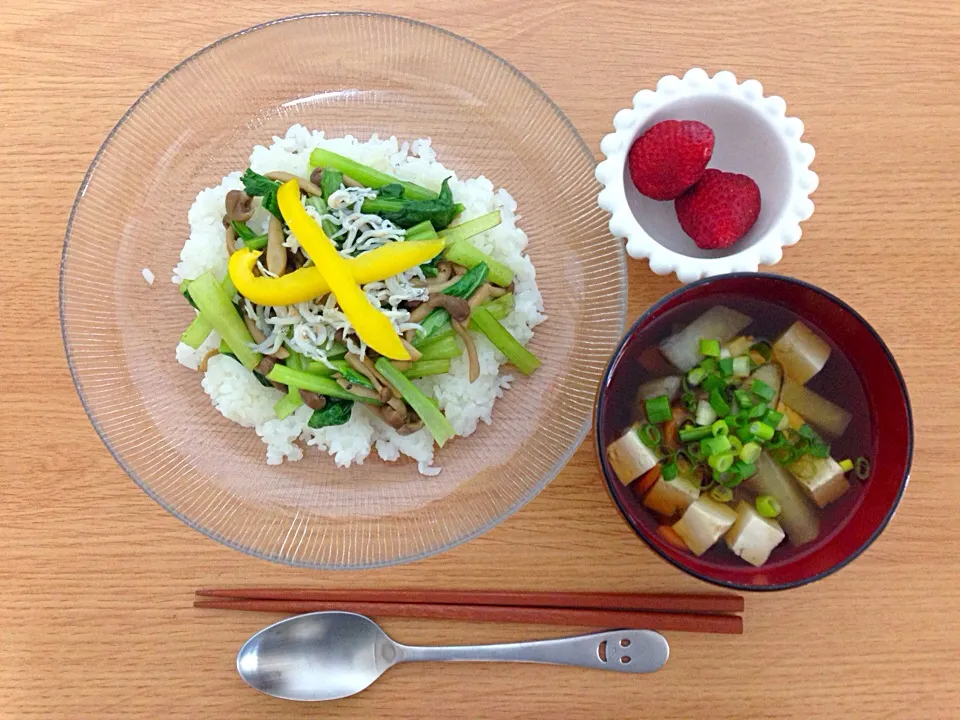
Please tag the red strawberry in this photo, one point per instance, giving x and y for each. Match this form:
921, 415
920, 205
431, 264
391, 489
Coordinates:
719, 209
670, 157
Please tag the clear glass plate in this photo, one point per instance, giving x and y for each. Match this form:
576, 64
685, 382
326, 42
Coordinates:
343, 73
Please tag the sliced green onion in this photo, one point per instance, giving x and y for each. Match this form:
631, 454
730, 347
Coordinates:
718, 404
762, 390
721, 462
773, 418
744, 469
725, 366
750, 452
713, 381
705, 413
695, 451
808, 432
650, 435
735, 444
689, 433
742, 366
744, 434
777, 441
801, 445
763, 349
862, 467
721, 494
670, 470
709, 365
720, 428
715, 445
761, 430
846, 465
757, 411
689, 401
768, 506
696, 376
658, 409
710, 348
819, 450
436, 421
784, 455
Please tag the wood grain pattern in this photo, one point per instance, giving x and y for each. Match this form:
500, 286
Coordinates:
81, 547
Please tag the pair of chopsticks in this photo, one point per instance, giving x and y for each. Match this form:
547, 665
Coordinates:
702, 613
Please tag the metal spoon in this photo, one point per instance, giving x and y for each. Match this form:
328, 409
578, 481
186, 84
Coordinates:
331, 655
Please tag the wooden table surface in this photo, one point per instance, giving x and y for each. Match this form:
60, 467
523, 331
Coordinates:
96, 579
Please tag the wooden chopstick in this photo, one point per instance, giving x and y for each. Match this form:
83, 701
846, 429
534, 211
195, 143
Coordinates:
638, 602
581, 617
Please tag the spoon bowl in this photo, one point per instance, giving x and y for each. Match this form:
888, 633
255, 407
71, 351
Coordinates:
332, 655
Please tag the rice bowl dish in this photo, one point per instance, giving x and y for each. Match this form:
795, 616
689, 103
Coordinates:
452, 364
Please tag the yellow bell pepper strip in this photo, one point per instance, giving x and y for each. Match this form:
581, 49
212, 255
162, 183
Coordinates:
308, 283
371, 325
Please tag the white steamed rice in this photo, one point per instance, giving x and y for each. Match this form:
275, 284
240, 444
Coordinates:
237, 394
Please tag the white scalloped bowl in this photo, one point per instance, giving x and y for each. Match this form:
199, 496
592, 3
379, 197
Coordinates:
753, 136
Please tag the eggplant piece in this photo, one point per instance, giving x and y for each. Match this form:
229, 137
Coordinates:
672, 497
718, 323
822, 479
629, 457
772, 375
704, 522
830, 419
753, 537
801, 351
798, 516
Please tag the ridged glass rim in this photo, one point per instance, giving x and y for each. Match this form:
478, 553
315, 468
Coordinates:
534, 490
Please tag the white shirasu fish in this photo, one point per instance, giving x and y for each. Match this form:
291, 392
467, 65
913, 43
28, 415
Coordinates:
311, 328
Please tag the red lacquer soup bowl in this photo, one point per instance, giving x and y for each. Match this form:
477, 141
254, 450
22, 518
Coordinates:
861, 376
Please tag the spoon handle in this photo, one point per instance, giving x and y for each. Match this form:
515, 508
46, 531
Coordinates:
631, 651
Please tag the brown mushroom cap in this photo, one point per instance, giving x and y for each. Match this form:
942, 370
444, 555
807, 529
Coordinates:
313, 400
458, 308
239, 206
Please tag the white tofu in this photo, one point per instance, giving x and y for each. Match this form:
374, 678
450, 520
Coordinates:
798, 516
670, 497
753, 537
802, 352
704, 522
827, 483
629, 457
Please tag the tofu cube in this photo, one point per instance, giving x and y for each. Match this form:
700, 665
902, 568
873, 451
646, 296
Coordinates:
704, 522
670, 497
821, 479
753, 537
629, 457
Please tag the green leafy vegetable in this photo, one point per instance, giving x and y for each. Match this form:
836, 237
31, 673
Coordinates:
470, 228
330, 182
406, 213
216, 305
517, 355
335, 412
438, 317
365, 175
256, 185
